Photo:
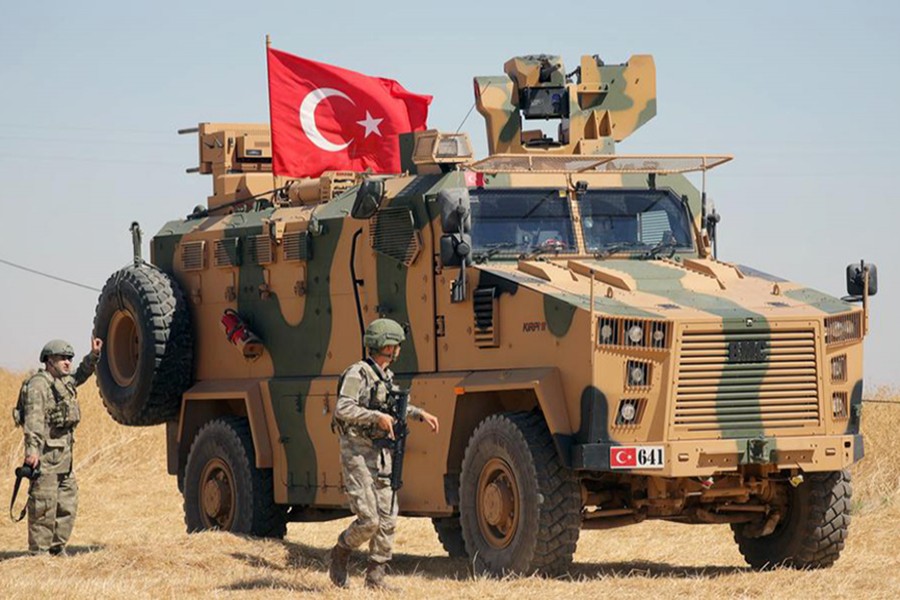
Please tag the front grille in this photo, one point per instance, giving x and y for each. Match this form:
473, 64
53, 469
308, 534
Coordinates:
739, 383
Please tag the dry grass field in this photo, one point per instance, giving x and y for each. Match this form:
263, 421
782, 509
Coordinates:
129, 539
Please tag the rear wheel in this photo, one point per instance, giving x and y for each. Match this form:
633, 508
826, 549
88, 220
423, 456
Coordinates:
520, 508
449, 532
812, 532
223, 489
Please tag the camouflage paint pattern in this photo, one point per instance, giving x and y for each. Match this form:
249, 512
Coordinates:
711, 414
606, 105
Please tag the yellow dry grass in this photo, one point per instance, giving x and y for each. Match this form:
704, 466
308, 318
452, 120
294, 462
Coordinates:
129, 539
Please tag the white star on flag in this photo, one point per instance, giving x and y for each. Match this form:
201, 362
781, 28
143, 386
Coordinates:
371, 124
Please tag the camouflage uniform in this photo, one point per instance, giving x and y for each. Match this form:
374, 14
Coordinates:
51, 413
367, 468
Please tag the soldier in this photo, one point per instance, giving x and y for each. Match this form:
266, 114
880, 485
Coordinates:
50, 414
361, 417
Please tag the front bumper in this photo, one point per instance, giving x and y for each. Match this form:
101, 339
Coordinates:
708, 457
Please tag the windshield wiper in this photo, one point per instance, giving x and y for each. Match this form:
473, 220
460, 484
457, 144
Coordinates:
492, 249
667, 243
551, 245
610, 250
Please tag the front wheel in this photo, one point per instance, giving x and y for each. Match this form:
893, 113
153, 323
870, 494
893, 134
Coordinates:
223, 489
520, 508
812, 531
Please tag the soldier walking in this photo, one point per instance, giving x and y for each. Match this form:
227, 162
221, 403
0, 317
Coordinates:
361, 417
50, 413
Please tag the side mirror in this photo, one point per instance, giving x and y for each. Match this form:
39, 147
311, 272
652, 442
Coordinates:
368, 199
856, 278
454, 248
456, 211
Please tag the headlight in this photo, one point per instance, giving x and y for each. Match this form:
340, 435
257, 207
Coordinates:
635, 334
637, 376
606, 333
637, 373
839, 402
628, 412
839, 368
843, 328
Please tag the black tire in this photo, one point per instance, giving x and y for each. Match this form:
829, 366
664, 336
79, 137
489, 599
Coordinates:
146, 363
520, 509
812, 533
449, 532
223, 489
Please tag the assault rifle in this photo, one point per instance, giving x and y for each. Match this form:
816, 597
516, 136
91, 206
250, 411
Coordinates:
399, 402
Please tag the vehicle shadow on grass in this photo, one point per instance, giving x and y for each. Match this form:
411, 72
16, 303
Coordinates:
267, 583
300, 555
70, 552
304, 556
652, 570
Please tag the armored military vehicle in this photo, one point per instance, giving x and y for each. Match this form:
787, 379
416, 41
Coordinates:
592, 361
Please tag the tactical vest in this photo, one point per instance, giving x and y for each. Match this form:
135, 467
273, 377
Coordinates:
378, 399
64, 412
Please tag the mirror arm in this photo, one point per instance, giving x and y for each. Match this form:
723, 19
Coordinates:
458, 287
865, 298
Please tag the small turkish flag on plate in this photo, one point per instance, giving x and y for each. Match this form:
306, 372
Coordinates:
622, 457
325, 118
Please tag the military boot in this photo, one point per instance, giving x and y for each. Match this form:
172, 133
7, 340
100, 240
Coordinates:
375, 577
340, 556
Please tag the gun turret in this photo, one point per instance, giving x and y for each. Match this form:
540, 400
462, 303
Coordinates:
605, 104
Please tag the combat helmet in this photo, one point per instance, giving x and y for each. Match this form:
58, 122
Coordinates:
384, 332
58, 348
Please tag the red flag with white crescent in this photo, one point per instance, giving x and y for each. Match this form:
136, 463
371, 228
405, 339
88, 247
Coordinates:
325, 118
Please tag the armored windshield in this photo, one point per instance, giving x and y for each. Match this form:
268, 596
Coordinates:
619, 220
516, 221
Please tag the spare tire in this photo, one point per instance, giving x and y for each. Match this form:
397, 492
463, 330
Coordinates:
146, 364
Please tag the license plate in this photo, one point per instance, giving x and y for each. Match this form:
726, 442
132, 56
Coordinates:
637, 457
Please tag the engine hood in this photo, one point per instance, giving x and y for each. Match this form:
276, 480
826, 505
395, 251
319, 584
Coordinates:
664, 288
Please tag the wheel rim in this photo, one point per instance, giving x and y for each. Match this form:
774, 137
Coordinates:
124, 347
217, 495
498, 503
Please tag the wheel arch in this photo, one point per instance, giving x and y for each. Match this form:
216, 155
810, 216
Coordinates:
209, 400
484, 393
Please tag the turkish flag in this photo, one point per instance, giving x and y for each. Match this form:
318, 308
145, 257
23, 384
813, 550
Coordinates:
622, 458
325, 118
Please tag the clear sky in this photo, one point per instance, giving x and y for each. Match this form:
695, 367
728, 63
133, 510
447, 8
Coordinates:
804, 94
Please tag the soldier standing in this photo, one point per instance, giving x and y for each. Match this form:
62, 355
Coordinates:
361, 417
50, 413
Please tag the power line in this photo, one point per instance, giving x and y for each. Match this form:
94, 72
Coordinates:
81, 141
49, 276
31, 127
42, 157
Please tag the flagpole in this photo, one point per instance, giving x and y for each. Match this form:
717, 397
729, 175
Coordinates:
269, 93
